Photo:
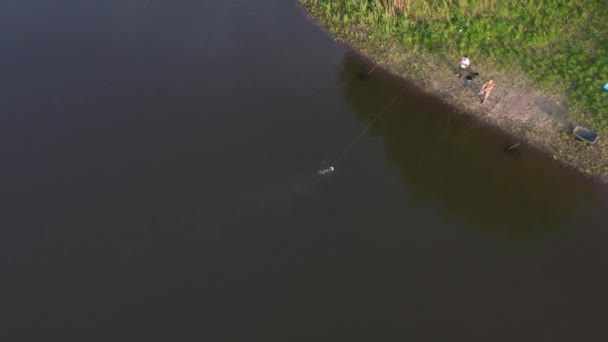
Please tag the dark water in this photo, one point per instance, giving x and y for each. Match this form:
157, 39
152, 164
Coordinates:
158, 184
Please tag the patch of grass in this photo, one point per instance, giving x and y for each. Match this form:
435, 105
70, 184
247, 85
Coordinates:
561, 44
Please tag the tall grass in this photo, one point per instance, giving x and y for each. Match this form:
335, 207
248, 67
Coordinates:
559, 43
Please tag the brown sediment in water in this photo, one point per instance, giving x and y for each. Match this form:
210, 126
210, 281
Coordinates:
516, 104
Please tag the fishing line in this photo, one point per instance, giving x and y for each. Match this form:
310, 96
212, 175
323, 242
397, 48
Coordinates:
464, 131
347, 149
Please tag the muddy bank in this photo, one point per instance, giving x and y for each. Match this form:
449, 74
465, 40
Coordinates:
516, 104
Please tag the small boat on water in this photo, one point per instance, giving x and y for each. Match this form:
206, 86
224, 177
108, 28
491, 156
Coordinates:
585, 134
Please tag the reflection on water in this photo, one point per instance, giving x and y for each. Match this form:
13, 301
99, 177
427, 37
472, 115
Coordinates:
448, 158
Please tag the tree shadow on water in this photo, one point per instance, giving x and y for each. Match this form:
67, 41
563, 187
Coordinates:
450, 159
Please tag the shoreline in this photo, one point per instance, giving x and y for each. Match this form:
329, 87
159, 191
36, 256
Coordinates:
516, 106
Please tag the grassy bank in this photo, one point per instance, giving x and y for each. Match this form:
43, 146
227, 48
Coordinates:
549, 58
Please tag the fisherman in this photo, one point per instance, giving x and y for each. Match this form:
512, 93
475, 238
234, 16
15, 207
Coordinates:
464, 63
486, 89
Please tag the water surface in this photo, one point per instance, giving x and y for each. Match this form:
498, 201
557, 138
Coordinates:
159, 184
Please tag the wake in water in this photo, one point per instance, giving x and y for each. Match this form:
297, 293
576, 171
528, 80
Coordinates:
279, 196
326, 171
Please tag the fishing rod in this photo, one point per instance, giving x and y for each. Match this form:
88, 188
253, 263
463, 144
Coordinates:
366, 74
512, 147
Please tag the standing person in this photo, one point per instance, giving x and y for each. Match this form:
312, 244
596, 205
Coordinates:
464, 63
486, 89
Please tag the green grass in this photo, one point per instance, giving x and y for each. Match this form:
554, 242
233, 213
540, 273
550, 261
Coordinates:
561, 44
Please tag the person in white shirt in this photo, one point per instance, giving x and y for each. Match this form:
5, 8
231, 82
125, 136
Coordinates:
464, 63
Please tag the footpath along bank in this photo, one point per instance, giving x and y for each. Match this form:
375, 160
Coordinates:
548, 60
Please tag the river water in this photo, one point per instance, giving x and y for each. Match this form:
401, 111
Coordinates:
159, 183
